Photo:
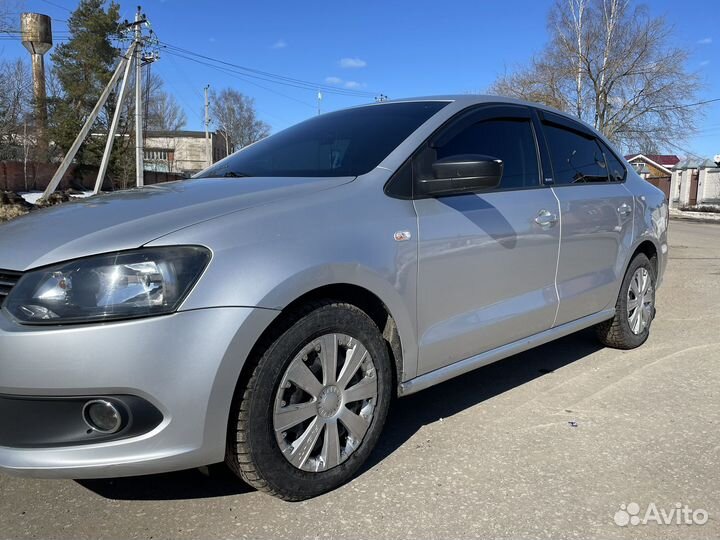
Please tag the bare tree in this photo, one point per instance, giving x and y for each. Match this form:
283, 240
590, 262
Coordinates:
234, 114
15, 97
163, 111
8, 15
613, 67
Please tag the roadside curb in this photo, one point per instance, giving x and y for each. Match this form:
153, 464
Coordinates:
703, 217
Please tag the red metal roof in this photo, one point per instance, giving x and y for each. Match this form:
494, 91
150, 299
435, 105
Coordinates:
666, 160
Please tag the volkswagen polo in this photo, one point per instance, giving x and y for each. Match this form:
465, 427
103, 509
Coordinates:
266, 312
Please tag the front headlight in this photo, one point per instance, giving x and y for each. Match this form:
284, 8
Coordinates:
121, 285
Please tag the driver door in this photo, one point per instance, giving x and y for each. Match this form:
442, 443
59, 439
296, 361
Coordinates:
487, 260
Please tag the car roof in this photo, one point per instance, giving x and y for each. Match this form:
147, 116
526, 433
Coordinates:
472, 99
467, 100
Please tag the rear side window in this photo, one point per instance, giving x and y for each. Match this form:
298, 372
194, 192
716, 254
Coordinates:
510, 140
616, 170
576, 158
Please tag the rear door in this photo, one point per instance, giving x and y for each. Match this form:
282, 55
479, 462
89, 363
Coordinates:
486, 261
596, 213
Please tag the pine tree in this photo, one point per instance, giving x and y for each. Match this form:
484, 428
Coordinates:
83, 66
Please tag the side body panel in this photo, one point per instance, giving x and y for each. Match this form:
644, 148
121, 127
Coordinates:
486, 273
343, 235
597, 234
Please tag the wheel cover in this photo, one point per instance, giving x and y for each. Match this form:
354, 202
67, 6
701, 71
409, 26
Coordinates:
325, 402
640, 300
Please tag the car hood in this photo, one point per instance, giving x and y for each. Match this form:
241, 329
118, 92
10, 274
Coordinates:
129, 219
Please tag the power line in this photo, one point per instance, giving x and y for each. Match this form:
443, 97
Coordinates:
294, 81
688, 105
241, 77
273, 77
57, 5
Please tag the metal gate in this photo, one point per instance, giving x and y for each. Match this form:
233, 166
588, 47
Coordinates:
694, 180
663, 183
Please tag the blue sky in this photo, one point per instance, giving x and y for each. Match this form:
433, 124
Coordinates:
395, 48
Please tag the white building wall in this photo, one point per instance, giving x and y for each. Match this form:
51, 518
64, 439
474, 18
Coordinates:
709, 189
685, 186
675, 187
190, 153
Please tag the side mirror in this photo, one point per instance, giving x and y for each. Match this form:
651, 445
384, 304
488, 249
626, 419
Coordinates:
464, 173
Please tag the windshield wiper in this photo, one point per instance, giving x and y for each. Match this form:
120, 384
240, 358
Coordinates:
233, 174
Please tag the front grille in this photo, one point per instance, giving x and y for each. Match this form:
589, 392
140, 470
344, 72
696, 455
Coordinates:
8, 280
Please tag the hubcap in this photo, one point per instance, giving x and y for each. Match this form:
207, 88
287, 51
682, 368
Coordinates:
325, 402
640, 298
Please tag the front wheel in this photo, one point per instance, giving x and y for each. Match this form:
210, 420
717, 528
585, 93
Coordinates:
315, 405
634, 309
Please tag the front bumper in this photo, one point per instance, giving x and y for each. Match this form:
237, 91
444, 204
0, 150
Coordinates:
186, 365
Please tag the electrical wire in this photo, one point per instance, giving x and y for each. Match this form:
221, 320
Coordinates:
57, 5
242, 78
270, 77
688, 105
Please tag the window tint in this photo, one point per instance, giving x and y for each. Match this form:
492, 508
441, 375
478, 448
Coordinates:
616, 170
343, 143
576, 158
512, 141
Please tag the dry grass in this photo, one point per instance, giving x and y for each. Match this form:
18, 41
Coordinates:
10, 211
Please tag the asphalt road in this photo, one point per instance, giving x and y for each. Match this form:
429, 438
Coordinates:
548, 443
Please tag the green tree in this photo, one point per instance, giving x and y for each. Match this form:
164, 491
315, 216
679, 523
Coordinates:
83, 66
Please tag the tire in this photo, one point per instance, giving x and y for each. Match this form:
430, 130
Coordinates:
618, 332
302, 469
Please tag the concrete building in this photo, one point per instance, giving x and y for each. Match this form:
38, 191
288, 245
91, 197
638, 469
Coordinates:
181, 152
695, 182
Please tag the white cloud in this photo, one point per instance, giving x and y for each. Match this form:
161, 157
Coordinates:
212, 40
333, 80
704, 63
279, 44
705, 41
352, 63
353, 85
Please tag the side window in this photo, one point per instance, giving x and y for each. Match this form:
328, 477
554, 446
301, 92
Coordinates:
576, 158
616, 170
510, 140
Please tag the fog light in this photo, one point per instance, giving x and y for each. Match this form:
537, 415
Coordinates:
102, 416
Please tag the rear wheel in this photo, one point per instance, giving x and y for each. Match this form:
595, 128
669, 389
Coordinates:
634, 309
315, 404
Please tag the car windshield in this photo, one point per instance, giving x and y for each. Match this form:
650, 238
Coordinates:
350, 142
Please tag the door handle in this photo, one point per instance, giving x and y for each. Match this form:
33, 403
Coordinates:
546, 219
624, 209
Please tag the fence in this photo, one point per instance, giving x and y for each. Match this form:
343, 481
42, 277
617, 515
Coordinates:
32, 176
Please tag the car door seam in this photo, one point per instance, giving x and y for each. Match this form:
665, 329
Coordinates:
557, 262
634, 210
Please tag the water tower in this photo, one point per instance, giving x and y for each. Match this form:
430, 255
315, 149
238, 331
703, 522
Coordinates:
37, 38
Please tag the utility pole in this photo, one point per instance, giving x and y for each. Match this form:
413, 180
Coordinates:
115, 120
67, 160
319, 99
135, 55
139, 150
208, 152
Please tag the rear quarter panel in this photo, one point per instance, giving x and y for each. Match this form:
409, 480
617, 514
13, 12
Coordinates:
651, 218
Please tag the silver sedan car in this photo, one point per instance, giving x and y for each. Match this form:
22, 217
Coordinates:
266, 312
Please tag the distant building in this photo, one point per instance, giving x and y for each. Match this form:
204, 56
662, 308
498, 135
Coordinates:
696, 182
655, 168
181, 152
